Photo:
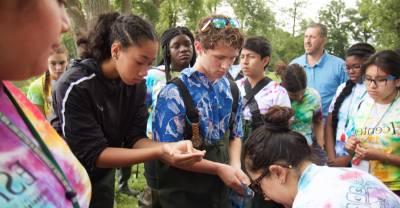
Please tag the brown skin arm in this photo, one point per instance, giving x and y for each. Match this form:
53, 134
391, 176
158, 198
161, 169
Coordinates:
174, 153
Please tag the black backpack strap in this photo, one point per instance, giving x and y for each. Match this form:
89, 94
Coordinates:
235, 104
252, 103
191, 131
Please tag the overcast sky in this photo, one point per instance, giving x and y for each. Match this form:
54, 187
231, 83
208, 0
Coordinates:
308, 11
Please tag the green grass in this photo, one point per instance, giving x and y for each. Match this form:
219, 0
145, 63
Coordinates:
136, 182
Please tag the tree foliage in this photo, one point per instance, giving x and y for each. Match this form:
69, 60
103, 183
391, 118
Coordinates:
334, 17
384, 20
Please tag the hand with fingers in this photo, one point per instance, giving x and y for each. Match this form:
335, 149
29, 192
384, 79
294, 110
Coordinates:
364, 152
181, 153
232, 177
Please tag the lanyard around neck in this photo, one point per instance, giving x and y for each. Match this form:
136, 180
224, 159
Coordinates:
41, 149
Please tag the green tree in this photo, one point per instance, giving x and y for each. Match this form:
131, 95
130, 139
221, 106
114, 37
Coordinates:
255, 16
334, 17
360, 26
385, 21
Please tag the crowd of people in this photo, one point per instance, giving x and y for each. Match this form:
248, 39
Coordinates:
213, 125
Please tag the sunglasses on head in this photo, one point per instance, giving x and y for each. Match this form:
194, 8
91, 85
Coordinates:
220, 22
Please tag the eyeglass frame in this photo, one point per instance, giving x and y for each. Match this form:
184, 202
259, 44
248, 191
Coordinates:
368, 82
228, 22
255, 185
353, 67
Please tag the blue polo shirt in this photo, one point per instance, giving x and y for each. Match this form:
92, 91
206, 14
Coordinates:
325, 76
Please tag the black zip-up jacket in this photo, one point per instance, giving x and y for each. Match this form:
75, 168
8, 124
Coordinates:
92, 113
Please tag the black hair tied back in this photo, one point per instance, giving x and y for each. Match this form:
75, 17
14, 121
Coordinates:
277, 118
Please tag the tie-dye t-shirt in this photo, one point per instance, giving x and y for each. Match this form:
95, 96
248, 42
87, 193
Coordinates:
380, 130
26, 181
213, 101
270, 95
345, 113
37, 95
328, 187
305, 112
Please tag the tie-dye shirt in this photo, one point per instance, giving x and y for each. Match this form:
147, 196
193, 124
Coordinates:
27, 181
37, 95
270, 95
213, 101
345, 112
305, 112
347, 187
380, 130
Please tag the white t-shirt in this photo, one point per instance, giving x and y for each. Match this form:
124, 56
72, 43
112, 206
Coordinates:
345, 113
270, 95
323, 186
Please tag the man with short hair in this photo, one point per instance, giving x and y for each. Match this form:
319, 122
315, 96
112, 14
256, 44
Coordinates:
217, 43
325, 72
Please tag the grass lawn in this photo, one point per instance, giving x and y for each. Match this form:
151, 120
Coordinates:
136, 182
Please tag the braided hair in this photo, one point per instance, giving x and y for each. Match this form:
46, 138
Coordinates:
110, 27
362, 51
166, 38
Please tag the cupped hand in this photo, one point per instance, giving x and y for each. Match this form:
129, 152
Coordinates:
181, 153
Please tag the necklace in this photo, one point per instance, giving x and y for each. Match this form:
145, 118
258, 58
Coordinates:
384, 114
40, 149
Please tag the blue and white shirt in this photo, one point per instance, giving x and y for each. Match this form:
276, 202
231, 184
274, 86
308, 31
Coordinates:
213, 101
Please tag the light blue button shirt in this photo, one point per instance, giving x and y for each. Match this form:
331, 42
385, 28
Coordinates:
325, 76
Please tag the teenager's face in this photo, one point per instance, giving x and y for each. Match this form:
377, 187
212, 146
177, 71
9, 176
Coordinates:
214, 63
132, 63
57, 63
36, 30
379, 84
181, 51
252, 64
353, 68
313, 41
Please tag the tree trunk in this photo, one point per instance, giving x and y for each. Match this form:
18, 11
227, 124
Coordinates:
94, 8
126, 6
75, 12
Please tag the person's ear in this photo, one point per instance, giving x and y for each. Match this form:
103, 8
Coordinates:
265, 61
198, 47
115, 50
279, 173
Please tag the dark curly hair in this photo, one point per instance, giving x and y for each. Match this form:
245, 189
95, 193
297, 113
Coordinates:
361, 51
127, 29
166, 38
230, 36
275, 142
294, 78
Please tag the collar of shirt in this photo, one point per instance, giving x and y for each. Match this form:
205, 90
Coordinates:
200, 77
319, 63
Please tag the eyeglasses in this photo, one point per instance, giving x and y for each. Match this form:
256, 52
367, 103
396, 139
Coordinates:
378, 82
354, 67
220, 22
255, 185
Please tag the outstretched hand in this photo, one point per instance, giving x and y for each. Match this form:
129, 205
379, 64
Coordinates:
181, 153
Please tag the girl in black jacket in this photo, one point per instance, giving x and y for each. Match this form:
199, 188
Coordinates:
100, 104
